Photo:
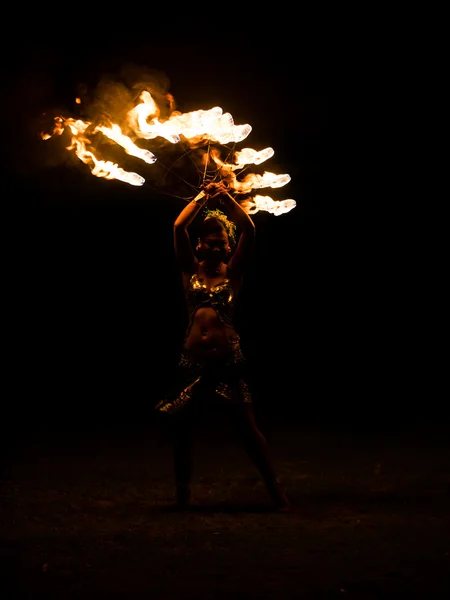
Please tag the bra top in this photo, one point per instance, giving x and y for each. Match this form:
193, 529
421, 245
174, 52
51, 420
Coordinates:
220, 297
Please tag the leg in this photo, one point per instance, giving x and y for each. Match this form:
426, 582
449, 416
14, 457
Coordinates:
257, 448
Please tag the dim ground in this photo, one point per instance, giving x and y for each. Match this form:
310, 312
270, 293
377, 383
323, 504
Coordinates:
87, 516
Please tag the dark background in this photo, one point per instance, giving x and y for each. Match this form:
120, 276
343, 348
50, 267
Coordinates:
342, 316
96, 312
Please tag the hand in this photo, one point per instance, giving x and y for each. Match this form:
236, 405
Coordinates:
214, 189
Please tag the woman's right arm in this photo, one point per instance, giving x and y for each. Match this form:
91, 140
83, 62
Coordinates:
183, 248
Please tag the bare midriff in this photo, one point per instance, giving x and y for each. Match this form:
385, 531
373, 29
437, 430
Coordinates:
208, 335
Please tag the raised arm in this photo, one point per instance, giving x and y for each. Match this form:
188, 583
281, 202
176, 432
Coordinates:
246, 241
183, 248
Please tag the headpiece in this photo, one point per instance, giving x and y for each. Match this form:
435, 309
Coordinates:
229, 225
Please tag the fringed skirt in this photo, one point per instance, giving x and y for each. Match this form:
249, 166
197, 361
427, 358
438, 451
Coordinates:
212, 381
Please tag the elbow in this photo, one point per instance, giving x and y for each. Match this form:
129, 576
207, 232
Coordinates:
250, 228
249, 232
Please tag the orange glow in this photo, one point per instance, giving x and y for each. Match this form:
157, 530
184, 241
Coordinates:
143, 123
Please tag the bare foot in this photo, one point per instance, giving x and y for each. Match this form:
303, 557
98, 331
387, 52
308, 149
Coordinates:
283, 507
279, 499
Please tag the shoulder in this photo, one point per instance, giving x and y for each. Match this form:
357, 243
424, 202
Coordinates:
235, 277
188, 268
186, 277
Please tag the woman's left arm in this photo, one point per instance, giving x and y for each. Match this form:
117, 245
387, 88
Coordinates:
246, 241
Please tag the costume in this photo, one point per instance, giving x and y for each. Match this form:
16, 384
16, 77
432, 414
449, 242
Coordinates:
219, 379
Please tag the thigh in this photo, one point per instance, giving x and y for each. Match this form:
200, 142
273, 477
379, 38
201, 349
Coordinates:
242, 417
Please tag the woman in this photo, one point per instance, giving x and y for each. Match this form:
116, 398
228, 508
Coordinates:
212, 367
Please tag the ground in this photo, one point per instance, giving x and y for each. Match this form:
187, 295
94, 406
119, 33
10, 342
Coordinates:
88, 516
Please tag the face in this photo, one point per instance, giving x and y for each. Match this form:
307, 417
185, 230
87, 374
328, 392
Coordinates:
214, 248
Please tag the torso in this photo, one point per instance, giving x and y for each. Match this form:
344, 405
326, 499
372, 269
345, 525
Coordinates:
211, 330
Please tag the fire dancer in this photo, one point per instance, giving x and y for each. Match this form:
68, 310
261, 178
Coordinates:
212, 370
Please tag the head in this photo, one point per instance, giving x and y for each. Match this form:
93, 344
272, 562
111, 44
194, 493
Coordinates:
215, 238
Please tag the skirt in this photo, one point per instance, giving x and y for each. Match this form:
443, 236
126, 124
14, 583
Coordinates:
223, 380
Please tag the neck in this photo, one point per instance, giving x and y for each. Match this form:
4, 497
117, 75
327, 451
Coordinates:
212, 270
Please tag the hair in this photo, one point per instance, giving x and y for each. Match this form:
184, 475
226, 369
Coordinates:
215, 221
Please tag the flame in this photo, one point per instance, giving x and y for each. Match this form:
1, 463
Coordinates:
99, 168
276, 207
248, 156
212, 126
115, 133
208, 125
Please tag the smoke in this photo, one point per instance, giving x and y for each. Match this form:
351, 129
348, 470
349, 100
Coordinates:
114, 96
41, 90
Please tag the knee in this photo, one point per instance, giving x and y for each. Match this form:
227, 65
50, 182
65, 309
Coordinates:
250, 432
